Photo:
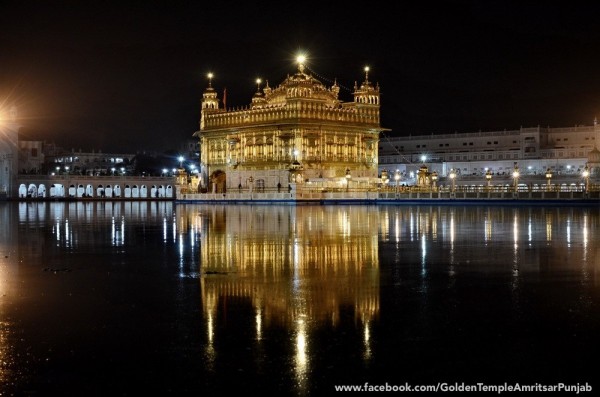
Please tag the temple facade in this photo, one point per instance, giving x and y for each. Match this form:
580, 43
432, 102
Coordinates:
296, 134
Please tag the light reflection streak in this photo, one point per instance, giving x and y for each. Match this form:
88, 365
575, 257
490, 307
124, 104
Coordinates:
584, 233
367, 340
515, 249
181, 246
123, 230
529, 237
301, 358
396, 227
174, 225
423, 255
258, 320
67, 232
487, 228
451, 226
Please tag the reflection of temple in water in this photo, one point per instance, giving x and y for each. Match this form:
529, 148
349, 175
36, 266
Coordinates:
289, 261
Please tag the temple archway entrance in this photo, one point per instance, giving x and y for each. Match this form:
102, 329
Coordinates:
218, 182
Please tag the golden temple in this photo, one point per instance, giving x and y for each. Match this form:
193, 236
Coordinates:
295, 134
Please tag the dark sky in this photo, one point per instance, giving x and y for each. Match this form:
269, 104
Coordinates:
125, 76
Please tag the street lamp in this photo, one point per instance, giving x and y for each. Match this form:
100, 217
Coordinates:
384, 178
548, 178
66, 169
586, 177
348, 176
452, 177
113, 170
434, 178
488, 178
397, 179
164, 171
516, 175
180, 158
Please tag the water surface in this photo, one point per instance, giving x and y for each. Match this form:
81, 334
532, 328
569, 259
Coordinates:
123, 298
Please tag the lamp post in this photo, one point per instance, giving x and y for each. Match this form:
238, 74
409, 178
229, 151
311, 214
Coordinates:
397, 179
66, 169
348, 176
384, 178
488, 178
180, 158
452, 177
515, 176
548, 178
113, 170
586, 177
434, 178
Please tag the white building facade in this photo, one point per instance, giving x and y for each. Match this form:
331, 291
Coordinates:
565, 152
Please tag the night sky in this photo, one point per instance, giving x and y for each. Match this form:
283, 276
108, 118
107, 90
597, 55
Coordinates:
123, 76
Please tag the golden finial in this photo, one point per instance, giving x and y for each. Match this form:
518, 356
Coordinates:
210, 76
258, 81
367, 73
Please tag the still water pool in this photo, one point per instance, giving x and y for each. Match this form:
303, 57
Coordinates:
128, 298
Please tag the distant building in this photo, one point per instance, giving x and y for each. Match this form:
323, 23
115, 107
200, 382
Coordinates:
9, 154
94, 163
31, 157
563, 151
190, 150
297, 133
